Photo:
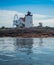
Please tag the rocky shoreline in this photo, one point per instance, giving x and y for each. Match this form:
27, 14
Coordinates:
27, 32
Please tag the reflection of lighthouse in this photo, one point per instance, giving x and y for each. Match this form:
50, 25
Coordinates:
40, 41
23, 22
24, 43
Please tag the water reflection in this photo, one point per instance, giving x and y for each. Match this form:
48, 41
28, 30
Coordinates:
27, 42
40, 41
26, 51
24, 44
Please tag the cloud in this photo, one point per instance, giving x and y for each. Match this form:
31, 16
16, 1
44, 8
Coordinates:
45, 19
38, 16
6, 18
46, 22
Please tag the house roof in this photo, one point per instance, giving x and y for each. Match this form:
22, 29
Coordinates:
23, 19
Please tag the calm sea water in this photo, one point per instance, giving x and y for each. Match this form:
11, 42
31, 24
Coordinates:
26, 51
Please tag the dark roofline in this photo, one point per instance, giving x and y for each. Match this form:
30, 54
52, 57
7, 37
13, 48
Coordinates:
28, 15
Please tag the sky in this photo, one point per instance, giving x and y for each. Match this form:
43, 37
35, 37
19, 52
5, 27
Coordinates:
42, 11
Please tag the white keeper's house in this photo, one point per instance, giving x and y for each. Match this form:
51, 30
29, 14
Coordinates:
26, 22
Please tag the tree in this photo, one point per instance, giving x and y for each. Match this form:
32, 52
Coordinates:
2, 27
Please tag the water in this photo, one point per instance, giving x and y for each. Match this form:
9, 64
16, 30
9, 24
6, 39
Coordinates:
26, 51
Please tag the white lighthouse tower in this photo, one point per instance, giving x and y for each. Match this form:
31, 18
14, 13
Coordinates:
28, 20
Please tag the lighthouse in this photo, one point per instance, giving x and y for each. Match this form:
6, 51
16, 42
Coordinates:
28, 20
25, 22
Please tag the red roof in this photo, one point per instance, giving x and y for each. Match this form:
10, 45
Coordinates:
23, 19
